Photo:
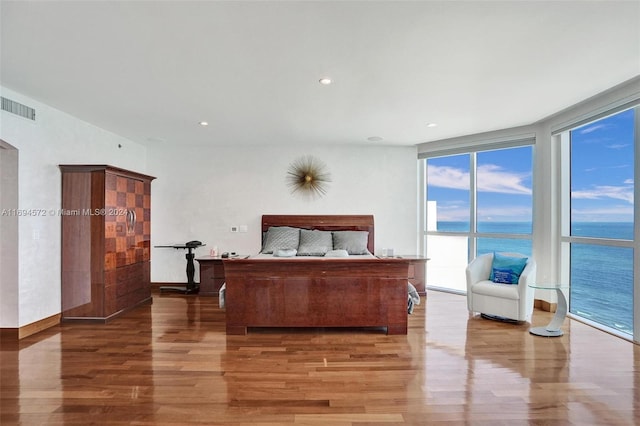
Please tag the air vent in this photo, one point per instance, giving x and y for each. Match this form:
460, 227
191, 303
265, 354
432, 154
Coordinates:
18, 109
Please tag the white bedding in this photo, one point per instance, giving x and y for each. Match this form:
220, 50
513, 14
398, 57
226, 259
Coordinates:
351, 256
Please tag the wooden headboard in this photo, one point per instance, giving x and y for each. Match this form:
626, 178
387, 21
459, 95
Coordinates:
324, 223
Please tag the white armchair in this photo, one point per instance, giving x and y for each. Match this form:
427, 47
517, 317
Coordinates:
511, 301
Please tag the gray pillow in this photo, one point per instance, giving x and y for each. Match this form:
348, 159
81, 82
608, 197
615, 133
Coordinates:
281, 237
314, 243
354, 242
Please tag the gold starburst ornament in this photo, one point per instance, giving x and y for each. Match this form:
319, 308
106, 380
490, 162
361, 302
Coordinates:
308, 176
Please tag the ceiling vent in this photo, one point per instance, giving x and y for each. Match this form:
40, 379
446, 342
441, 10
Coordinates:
16, 108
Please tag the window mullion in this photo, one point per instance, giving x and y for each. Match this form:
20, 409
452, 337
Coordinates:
473, 198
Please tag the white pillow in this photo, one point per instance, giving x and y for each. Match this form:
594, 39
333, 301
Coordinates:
285, 252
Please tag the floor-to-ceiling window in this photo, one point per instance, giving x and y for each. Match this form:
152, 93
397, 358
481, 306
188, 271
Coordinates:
448, 214
477, 202
598, 227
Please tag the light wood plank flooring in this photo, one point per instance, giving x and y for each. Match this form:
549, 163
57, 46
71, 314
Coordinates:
171, 363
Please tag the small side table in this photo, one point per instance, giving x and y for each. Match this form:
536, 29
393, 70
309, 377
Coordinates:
212, 273
416, 271
553, 328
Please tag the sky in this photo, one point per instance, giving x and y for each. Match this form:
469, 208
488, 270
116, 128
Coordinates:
601, 178
602, 170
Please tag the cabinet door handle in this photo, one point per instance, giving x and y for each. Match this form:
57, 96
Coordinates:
131, 221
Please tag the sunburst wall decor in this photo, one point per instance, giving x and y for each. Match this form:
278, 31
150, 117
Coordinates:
309, 176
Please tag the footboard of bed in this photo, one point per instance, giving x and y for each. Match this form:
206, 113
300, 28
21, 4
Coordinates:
316, 293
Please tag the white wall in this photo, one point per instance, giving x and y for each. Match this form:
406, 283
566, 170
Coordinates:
200, 193
53, 138
8, 234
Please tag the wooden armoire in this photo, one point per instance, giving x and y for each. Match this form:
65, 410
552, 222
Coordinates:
106, 241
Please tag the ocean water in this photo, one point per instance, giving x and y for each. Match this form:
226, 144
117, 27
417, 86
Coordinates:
601, 287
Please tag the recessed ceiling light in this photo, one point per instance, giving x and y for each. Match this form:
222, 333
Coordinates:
375, 139
326, 81
431, 125
203, 123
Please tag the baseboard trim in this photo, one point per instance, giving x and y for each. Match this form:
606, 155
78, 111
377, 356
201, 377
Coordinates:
543, 305
105, 320
15, 334
38, 326
156, 285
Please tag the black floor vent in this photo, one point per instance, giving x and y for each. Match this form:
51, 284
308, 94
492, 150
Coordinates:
18, 109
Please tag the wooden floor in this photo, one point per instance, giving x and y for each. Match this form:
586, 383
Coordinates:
171, 363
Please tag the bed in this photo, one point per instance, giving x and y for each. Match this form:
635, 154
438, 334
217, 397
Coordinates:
360, 290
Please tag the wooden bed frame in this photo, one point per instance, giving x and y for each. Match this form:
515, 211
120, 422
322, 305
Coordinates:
317, 292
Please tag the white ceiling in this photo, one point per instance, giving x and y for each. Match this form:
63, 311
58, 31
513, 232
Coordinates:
151, 70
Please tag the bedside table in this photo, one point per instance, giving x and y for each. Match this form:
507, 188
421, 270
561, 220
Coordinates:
416, 270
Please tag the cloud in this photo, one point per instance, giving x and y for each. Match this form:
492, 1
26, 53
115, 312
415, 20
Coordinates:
459, 212
448, 177
593, 128
491, 178
619, 166
609, 210
609, 213
624, 193
618, 145
502, 213
452, 213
